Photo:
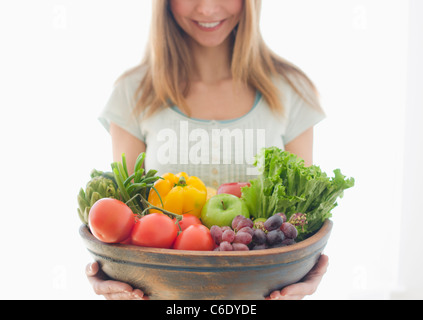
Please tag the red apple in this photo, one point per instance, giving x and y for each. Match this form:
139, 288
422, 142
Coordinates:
233, 188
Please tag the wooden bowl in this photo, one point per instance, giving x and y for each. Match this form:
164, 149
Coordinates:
166, 274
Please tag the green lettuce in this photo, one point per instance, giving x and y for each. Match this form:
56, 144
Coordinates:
286, 185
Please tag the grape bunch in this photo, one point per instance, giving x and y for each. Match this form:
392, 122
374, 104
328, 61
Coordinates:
273, 233
237, 238
246, 235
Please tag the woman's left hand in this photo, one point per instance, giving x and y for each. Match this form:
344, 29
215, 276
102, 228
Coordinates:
307, 286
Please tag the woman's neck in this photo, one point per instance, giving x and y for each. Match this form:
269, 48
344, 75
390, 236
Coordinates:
211, 65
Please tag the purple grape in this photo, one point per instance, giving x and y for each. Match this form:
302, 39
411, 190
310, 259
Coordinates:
275, 237
224, 228
228, 236
259, 237
244, 223
273, 223
283, 215
240, 247
236, 220
247, 230
216, 233
289, 230
243, 237
225, 246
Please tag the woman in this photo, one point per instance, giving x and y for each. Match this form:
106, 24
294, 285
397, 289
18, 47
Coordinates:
207, 96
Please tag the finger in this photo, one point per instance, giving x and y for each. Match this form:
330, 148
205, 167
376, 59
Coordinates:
286, 298
138, 294
276, 295
307, 287
124, 296
319, 270
322, 264
300, 289
311, 281
94, 270
104, 287
110, 289
91, 269
296, 298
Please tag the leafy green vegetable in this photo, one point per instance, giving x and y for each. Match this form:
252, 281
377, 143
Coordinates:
135, 187
286, 185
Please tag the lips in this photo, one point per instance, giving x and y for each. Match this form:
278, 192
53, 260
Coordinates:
209, 25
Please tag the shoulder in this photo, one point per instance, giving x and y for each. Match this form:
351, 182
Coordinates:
295, 88
131, 79
287, 92
282, 84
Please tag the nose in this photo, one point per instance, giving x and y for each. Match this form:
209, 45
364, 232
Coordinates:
207, 7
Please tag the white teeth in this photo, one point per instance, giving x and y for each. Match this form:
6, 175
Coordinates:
209, 24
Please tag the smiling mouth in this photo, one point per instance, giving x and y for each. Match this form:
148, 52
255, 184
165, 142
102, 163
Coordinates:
209, 25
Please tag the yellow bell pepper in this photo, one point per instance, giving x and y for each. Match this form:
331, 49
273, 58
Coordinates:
180, 194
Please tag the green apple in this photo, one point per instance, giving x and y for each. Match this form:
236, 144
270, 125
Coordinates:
221, 209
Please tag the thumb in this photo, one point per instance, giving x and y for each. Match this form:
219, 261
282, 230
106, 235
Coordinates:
92, 269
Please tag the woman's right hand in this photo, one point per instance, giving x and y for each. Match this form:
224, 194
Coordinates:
110, 289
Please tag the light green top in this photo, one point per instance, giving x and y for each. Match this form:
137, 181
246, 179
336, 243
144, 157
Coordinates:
215, 151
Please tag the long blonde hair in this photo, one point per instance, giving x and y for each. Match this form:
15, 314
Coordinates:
166, 63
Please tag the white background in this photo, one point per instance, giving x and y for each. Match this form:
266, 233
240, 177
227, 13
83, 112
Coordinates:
58, 62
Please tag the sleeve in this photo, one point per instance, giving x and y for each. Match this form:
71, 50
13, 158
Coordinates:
120, 110
301, 117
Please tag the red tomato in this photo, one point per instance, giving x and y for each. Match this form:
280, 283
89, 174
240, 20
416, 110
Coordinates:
188, 220
196, 237
111, 220
154, 230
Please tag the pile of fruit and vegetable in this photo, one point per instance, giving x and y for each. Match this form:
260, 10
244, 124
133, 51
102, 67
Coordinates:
287, 203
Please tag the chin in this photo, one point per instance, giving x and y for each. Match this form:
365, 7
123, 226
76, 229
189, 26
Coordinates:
211, 43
